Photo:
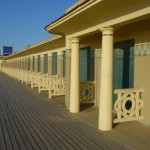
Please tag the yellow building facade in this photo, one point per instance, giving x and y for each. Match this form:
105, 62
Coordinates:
100, 55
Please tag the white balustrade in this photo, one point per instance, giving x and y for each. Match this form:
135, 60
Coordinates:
128, 105
87, 91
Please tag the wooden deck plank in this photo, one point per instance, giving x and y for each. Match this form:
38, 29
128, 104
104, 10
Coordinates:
11, 128
32, 120
2, 141
58, 135
24, 132
63, 128
7, 140
41, 137
41, 124
31, 130
109, 146
71, 129
17, 132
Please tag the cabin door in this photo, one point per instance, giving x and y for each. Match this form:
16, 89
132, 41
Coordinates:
85, 64
124, 64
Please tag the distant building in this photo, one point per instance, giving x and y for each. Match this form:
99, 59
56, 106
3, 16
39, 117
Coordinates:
1, 52
7, 50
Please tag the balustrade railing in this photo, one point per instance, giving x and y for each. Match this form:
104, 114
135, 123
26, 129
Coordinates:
53, 84
128, 105
87, 91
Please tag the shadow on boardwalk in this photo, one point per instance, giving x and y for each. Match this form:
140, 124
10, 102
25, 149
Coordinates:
31, 121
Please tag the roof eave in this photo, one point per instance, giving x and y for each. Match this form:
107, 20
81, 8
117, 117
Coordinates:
82, 7
51, 39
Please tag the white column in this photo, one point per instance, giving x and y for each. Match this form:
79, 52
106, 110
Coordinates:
27, 64
60, 64
50, 64
31, 63
24, 63
42, 63
36, 63
106, 82
97, 56
74, 87
68, 72
21, 64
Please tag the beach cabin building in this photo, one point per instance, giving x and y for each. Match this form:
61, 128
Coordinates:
101, 52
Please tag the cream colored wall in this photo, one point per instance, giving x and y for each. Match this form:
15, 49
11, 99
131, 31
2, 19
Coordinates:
94, 41
59, 50
140, 32
142, 80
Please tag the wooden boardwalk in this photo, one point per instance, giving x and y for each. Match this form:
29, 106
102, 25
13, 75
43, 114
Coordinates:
29, 121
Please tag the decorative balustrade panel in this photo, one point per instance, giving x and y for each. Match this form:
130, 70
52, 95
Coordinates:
59, 86
20, 76
28, 77
128, 105
23, 76
87, 91
53, 84
43, 83
35, 80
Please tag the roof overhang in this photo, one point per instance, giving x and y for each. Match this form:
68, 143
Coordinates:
53, 27
52, 43
100, 13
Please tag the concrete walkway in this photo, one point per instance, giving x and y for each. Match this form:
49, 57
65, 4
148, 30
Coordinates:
30, 121
133, 133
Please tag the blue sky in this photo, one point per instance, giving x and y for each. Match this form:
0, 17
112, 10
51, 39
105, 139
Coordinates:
22, 22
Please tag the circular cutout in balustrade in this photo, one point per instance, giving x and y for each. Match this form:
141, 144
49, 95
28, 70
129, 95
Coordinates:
128, 105
86, 92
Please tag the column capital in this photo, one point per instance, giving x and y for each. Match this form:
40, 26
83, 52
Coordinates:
59, 57
49, 54
107, 31
36, 57
42, 58
74, 40
98, 53
59, 53
42, 55
68, 53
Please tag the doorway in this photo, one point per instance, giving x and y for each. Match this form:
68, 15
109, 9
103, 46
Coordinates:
123, 64
86, 65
